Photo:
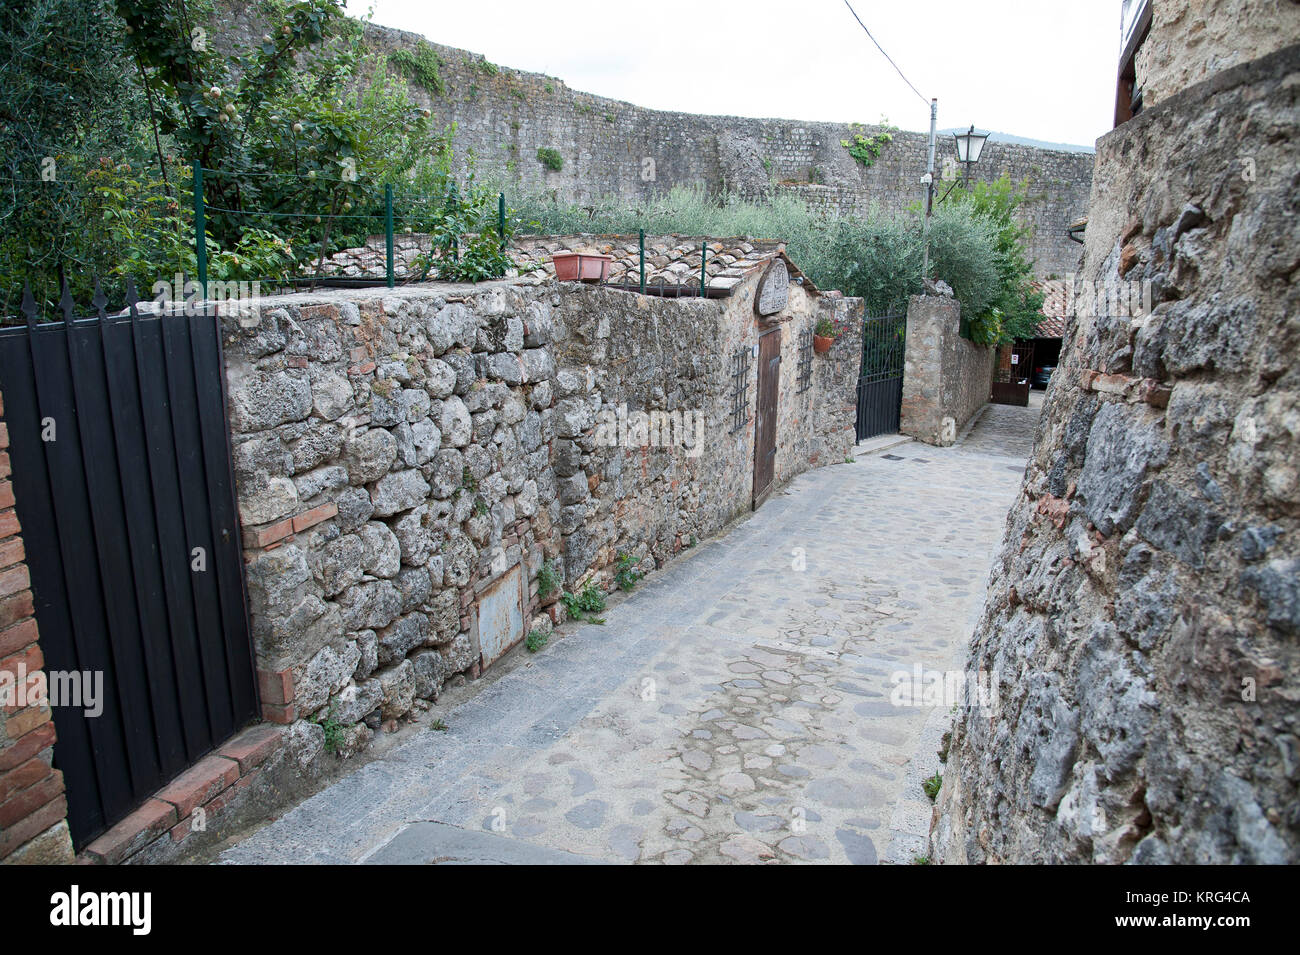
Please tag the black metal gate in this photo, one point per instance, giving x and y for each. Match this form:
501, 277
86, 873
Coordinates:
121, 469
880, 381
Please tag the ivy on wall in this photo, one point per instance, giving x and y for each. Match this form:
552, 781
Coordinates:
422, 65
866, 150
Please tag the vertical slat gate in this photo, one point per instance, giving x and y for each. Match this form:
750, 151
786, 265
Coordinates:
121, 469
880, 381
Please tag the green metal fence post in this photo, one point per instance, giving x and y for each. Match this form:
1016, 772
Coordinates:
453, 197
388, 233
200, 230
501, 217
704, 257
643, 261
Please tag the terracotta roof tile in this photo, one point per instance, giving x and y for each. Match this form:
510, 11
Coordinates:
671, 260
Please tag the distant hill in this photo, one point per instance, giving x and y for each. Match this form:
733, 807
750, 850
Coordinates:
1025, 141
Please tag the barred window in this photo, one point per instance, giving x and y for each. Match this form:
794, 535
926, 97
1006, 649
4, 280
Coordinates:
805, 360
740, 388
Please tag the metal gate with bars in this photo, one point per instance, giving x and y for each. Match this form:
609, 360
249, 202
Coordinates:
122, 474
880, 380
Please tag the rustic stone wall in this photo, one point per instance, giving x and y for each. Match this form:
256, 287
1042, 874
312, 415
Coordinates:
1191, 40
946, 378
612, 148
397, 452
33, 808
1143, 615
818, 425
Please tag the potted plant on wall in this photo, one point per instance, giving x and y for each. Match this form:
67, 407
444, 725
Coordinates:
824, 335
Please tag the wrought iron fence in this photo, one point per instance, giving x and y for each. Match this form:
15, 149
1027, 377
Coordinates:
880, 378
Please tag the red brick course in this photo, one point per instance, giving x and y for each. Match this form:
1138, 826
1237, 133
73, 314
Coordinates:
252, 748
12, 551
24, 721
211, 785
275, 686
273, 535
27, 774
25, 747
313, 517
199, 783
16, 608
13, 579
27, 801
133, 833
18, 637
269, 534
51, 814
281, 714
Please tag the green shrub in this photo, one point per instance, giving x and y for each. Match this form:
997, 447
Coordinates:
469, 242
580, 606
874, 256
548, 579
625, 574
301, 131
932, 786
333, 730
550, 158
536, 640
1017, 304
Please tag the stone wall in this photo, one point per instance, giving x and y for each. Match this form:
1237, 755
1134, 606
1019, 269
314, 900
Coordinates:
399, 452
1142, 620
612, 148
33, 808
946, 378
818, 425
1191, 40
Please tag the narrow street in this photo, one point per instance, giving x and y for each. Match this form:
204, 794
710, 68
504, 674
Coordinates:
734, 708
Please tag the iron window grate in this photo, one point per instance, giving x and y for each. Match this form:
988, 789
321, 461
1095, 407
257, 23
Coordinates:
805, 360
740, 388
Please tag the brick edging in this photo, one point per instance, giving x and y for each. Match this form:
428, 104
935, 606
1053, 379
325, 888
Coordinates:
191, 801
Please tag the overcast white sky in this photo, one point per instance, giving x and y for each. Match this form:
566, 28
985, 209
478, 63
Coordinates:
1040, 69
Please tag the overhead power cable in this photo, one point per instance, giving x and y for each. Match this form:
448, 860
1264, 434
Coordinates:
883, 53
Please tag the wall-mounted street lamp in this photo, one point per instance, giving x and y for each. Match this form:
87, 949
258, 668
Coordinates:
970, 146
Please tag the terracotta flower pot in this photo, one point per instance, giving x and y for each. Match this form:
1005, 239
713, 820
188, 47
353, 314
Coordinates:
822, 343
581, 266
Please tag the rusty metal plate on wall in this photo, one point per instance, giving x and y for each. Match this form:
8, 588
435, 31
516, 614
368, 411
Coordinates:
773, 289
501, 616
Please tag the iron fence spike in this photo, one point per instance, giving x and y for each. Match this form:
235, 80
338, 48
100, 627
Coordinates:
100, 300
28, 306
132, 299
65, 302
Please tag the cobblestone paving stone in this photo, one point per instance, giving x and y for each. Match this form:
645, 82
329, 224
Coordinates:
736, 708
1006, 429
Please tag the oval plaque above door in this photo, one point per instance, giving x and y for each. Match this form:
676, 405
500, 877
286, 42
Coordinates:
773, 293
